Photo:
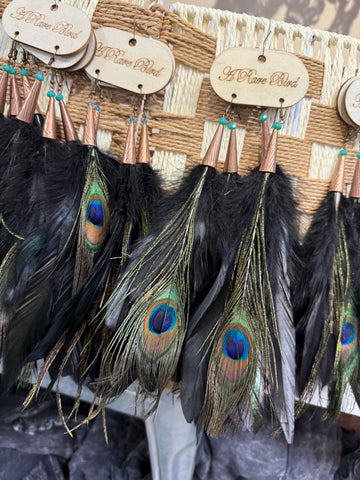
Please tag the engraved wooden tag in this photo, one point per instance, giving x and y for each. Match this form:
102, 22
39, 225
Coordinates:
340, 102
352, 101
141, 64
89, 55
244, 76
60, 61
47, 26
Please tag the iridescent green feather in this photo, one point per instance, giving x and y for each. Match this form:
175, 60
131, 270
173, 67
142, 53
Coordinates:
159, 276
250, 305
93, 219
347, 359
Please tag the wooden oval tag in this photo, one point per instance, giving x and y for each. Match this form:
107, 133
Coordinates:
145, 65
244, 76
340, 102
60, 61
89, 55
47, 26
352, 101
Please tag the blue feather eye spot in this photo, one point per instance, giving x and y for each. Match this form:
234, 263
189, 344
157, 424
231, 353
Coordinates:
347, 333
235, 345
96, 219
95, 213
162, 318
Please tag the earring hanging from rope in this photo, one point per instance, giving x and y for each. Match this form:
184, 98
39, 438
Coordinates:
324, 295
252, 349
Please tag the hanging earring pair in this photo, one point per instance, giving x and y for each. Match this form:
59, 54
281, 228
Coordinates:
326, 297
249, 363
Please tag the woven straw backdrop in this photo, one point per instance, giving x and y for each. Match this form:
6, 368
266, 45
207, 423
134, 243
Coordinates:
183, 117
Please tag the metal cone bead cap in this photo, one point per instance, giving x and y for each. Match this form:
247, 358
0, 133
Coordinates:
97, 117
144, 150
129, 156
26, 90
212, 155
69, 129
355, 186
27, 111
15, 100
231, 162
268, 162
89, 137
265, 138
49, 129
337, 182
3, 89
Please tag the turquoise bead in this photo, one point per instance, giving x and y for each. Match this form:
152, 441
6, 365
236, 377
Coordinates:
144, 120
132, 120
222, 121
24, 73
343, 152
90, 104
277, 126
59, 97
40, 77
51, 94
97, 108
263, 117
7, 68
358, 155
232, 126
13, 71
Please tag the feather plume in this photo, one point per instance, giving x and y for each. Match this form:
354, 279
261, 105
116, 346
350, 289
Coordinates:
150, 303
253, 348
323, 293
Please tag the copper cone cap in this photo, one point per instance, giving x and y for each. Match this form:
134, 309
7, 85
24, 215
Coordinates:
3, 89
89, 136
15, 100
26, 91
355, 186
268, 162
129, 156
144, 150
337, 182
49, 128
96, 119
212, 155
265, 138
231, 163
69, 129
27, 111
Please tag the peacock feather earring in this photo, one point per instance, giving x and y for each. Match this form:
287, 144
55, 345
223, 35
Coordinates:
252, 349
346, 366
206, 310
324, 294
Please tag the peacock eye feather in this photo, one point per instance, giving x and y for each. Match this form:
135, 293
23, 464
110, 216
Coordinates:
161, 323
347, 333
95, 213
235, 346
97, 217
162, 319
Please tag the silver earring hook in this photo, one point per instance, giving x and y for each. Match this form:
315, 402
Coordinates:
265, 39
